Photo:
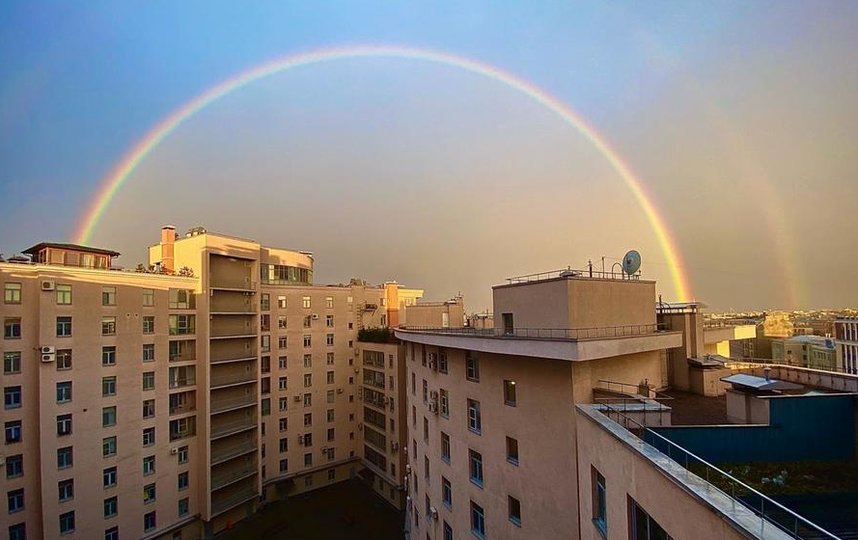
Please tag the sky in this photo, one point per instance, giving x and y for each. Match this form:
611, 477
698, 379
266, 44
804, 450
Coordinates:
738, 118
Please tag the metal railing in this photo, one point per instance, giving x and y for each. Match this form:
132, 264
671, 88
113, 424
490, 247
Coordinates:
565, 334
225, 478
224, 452
222, 428
739, 363
231, 378
223, 503
571, 272
771, 513
182, 381
220, 404
728, 323
225, 283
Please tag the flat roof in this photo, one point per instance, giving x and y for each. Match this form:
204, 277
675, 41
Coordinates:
760, 383
70, 247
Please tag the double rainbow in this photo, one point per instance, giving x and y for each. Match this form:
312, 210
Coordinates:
121, 172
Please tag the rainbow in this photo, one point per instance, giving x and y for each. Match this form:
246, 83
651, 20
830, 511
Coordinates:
123, 169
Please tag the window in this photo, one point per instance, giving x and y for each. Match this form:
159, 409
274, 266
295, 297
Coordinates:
308, 400
308, 419
329, 339
108, 386
283, 404
108, 446
183, 481
308, 380
446, 492
448, 531
149, 406
108, 477
445, 447
475, 460
148, 380
472, 366
283, 445
282, 342
11, 363
445, 403
64, 425
478, 520
148, 297
13, 431
329, 395
265, 364
307, 340
642, 526
281, 302
600, 502
181, 299
12, 397
474, 420
330, 359
512, 450
265, 343
329, 302
148, 324
509, 393
331, 435
184, 506
148, 493
12, 328
329, 377
282, 362
265, 301
308, 460
330, 415
425, 391
67, 522
108, 296
15, 500
108, 356
108, 416
14, 466
64, 359
514, 507
425, 429
113, 534
148, 436
305, 302
65, 457
329, 321
108, 326
64, 326
282, 383
111, 507
64, 295
442, 360
183, 454
12, 293
66, 490
308, 360
18, 531
149, 522
181, 325
148, 465
282, 424
265, 322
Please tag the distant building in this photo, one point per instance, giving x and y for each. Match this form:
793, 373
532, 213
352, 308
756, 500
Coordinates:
846, 343
805, 350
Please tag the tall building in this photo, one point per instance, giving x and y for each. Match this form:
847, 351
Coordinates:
846, 343
174, 401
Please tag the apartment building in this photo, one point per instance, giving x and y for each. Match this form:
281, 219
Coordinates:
549, 425
492, 449
225, 379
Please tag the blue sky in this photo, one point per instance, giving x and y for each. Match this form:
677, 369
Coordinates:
703, 100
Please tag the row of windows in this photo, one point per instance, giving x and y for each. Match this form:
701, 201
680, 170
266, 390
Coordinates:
67, 521
179, 325
63, 357
179, 428
282, 322
177, 299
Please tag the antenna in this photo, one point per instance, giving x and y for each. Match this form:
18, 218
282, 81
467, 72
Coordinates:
631, 262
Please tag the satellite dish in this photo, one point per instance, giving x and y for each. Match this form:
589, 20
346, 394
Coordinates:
631, 262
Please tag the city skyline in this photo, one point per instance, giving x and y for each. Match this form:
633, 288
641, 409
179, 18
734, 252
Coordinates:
363, 143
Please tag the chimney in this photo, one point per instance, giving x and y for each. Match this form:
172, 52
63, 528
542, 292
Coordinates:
168, 237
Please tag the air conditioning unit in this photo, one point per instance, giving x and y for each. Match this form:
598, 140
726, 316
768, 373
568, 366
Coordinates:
315, 316
407, 469
433, 408
433, 512
339, 390
174, 451
48, 349
357, 370
301, 440
433, 365
434, 395
48, 358
298, 398
394, 446
48, 285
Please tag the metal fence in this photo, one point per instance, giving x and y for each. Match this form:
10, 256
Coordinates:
772, 514
567, 334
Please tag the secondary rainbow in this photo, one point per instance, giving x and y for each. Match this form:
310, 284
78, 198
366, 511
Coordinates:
122, 171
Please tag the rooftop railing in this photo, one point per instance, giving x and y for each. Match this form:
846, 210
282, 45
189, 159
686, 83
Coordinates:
565, 334
728, 323
569, 272
772, 514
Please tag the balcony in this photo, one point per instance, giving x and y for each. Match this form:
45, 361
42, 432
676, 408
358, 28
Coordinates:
224, 428
181, 382
221, 380
226, 451
232, 284
228, 403
230, 475
232, 303
222, 503
182, 403
221, 329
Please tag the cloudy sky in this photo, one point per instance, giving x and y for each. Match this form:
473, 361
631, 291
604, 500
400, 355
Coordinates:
739, 119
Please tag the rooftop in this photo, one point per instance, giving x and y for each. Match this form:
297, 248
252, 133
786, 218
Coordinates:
69, 247
570, 273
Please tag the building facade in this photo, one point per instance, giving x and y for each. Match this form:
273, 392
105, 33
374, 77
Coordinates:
846, 343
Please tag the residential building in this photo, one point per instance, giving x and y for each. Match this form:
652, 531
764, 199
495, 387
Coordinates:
846, 343
806, 350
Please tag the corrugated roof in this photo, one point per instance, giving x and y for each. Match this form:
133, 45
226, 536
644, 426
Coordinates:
760, 383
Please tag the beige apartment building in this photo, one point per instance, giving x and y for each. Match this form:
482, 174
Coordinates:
172, 403
510, 428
